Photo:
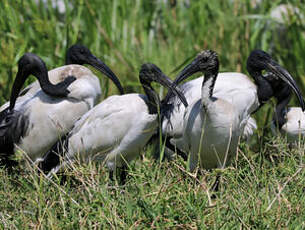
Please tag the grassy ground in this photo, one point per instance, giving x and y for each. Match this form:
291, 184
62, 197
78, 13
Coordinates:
260, 190
263, 188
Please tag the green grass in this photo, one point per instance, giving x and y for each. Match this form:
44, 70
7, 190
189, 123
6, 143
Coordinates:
260, 190
263, 189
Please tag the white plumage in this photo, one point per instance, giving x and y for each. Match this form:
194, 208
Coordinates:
42, 114
211, 134
50, 117
119, 126
86, 88
294, 127
234, 87
212, 125
117, 129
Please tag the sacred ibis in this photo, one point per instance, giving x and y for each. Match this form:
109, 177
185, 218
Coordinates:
222, 119
290, 121
211, 125
14, 124
115, 130
236, 88
42, 115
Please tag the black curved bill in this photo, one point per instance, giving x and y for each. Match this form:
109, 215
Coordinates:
18, 83
188, 71
168, 83
282, 73
101, 66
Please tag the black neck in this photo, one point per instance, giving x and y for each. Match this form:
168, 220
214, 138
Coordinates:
41, 73
283, 96
167, 98
264, 89
153, 99
18, 83
47, 86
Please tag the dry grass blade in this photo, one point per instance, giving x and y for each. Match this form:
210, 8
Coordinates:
277, 196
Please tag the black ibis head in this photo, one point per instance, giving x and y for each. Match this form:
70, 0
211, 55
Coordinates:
206, 62
151, 73
31, 64
79, 54
259, 61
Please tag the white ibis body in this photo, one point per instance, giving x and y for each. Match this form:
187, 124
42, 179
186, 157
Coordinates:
211, 125
42, 116
50, 117
294, 127
117, 129
229, 86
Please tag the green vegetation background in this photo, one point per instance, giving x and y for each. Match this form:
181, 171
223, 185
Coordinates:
265, 187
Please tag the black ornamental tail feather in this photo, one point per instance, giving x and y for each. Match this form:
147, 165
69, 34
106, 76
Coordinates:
52, 157
13, 126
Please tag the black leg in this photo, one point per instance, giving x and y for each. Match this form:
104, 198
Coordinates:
180, 153
157, 151
123, 174
215, 186
111, 175
50, 161
52, 157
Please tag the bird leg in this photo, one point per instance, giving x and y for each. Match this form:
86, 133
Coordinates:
111, 175
50, 161
180, 153
215, 186
123, 174
169, 146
